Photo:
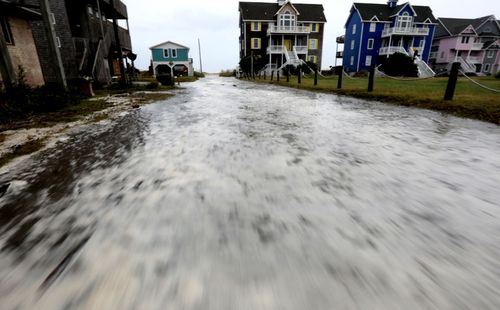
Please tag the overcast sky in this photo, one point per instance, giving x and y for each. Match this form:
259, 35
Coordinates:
215, 22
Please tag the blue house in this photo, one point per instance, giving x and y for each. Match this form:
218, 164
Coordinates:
171, 58
375, 31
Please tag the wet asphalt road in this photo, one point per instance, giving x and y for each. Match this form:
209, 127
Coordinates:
233, 195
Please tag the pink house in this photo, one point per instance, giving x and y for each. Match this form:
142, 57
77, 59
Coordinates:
472, 42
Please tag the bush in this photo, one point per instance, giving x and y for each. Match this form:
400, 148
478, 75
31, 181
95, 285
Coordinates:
227, 73
152, 85
399, 64
165, 79
199, 74
497, 76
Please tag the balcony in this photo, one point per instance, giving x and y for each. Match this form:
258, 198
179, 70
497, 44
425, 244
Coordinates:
411, 31
120, 8
300, 49
273, 29
474, 60
389, 50
123, 35
276, 49
477, 46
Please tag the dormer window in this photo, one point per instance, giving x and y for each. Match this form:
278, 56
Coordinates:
287, 19
404, 21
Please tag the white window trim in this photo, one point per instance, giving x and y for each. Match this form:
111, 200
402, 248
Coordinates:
353, 43
372, 44
352, 61
58, 42
313, 46
174, 50
166, 53
53, 18
490, 54
354, 29
487, 68
373, 27
90, 10
368, 57
255, 26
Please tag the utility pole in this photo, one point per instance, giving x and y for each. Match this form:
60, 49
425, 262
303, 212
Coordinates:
53, 44
199, 51
251, 62
118, 45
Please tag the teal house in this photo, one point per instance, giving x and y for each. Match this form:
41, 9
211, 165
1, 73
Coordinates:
171, 58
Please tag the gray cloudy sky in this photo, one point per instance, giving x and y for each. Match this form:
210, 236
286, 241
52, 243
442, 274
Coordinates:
215, 22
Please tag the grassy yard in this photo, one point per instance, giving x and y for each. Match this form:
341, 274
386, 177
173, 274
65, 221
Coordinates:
470, 100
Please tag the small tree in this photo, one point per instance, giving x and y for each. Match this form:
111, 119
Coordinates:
246, 63
399, 64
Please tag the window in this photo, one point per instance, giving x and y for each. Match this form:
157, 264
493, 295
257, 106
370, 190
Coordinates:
314, 28
9, 39
370, 43
442, 55
103, 17
52, 18
174, 53
352, 44
313, 44
486, 68
368, 61
313, 59
352, 61
373, 27
256, 26
404, 21
58, 42
490, 54
166, 54
465, 40
255, 43
422, 43
354, 29
90, 10
287, 19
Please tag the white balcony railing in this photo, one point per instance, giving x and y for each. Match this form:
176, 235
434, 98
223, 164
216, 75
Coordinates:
410, 31
289, 29
275, 49
477, 46
300, 49
474, 60
389, 50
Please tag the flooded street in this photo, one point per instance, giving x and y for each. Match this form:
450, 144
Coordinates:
233, 195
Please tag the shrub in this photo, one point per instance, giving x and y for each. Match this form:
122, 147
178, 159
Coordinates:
152, 85
399, 64
497, 76
199, 74
165, 79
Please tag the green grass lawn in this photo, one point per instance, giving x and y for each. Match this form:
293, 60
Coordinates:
470, 100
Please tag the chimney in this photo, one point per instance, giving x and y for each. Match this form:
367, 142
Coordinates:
392, 3
281, 2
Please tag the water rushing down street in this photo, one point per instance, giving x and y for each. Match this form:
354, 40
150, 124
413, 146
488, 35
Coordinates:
233, 195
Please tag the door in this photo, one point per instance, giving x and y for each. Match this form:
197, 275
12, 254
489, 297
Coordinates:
288, 44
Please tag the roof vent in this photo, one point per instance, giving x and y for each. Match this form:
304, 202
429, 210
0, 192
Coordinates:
392, 3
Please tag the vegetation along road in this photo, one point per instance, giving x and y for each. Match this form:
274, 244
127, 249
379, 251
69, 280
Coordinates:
237, 195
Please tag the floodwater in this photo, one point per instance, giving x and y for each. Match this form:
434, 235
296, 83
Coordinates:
233, 195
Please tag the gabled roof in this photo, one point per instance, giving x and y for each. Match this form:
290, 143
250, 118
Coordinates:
383, 12
167, 43
455, 26
267, 10
285, 5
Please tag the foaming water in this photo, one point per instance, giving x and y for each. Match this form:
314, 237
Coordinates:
233, 195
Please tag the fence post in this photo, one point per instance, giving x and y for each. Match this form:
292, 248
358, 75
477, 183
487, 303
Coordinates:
452, 81
265, 75
341, 75
299, 76
288, 76
371, 78
278, 75
272, 75
316, 77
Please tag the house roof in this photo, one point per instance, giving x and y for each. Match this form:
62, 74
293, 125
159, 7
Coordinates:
166, 43
266, 11
455, 26
18, 10
383, 12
